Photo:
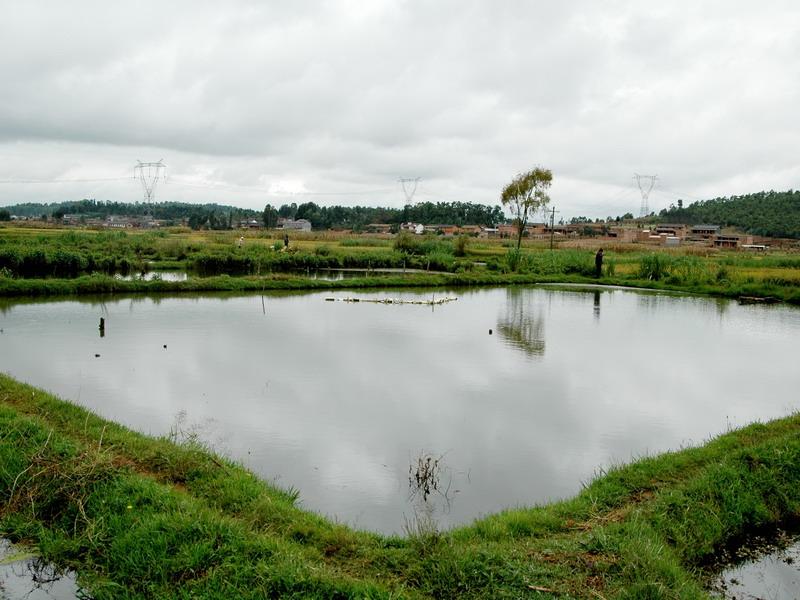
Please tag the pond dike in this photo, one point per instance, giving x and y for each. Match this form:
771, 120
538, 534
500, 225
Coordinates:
142, 517
106, 284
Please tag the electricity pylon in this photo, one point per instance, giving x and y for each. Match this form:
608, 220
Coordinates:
645, 189
149, 173
409, 194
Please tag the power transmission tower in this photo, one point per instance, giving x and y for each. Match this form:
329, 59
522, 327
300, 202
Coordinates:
645, 189
149, 173
409, 193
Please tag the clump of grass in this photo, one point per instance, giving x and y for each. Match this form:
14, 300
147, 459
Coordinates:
654, 267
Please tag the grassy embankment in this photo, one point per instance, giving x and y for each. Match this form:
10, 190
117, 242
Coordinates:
140, 517
58, 262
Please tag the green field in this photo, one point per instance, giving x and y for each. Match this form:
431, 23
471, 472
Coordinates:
58, 261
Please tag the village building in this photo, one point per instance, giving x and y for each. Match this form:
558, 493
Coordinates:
672, 229
378, 228
294, 224
704, 232
249, 224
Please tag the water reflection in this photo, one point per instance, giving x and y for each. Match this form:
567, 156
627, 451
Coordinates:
522, 323
773, 573
597, 304
335, 398
23, 577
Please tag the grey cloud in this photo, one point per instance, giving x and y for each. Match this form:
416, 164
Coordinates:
344, 94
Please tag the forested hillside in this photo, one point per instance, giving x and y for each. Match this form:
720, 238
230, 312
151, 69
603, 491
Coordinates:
774, 214
104, 208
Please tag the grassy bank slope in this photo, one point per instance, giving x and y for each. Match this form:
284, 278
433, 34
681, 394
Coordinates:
139, 517
103, 284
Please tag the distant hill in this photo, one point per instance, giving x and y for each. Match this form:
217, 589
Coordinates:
773, 214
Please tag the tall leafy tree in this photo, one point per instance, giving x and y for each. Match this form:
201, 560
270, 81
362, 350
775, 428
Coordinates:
526, 194
270, 216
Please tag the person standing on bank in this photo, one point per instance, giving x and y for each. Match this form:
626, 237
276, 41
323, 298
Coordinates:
285, 240
598, 263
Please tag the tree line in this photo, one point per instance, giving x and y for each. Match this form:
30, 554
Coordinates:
359, 217
218, 216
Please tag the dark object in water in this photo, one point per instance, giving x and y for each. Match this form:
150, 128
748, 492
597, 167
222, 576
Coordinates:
758, 300
97, 356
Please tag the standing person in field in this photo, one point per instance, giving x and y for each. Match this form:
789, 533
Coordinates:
285, 240
598, 263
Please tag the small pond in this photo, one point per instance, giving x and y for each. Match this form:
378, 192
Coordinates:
324, 274
522, 394
767, 568
24, 576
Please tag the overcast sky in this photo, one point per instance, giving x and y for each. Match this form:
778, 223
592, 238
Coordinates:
250, 103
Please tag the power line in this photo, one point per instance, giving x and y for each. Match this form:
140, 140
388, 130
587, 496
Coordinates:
262, 190
26, 181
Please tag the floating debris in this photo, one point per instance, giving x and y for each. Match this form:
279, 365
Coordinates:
432, 302
758, 300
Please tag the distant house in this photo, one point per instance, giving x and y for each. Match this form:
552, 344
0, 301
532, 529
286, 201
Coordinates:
378, 228
470, 229
416, 228
249, 224
506, 230
672, 229
536, 228
705, 232
117, 222
297, 225
733, 241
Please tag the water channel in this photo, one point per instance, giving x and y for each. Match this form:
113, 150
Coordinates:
339, 400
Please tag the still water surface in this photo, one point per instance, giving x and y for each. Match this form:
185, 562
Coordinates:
338, 399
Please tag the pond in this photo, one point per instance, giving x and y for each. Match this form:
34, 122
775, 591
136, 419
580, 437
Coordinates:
521, 394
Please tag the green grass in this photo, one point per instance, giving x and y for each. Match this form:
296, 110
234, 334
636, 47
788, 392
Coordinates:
140, 517
73, 263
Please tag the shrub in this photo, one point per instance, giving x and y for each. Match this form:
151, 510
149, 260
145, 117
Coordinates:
513, 259
406, 242
460, 245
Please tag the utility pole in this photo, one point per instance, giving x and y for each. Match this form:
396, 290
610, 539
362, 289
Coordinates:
552, 225
645, 189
